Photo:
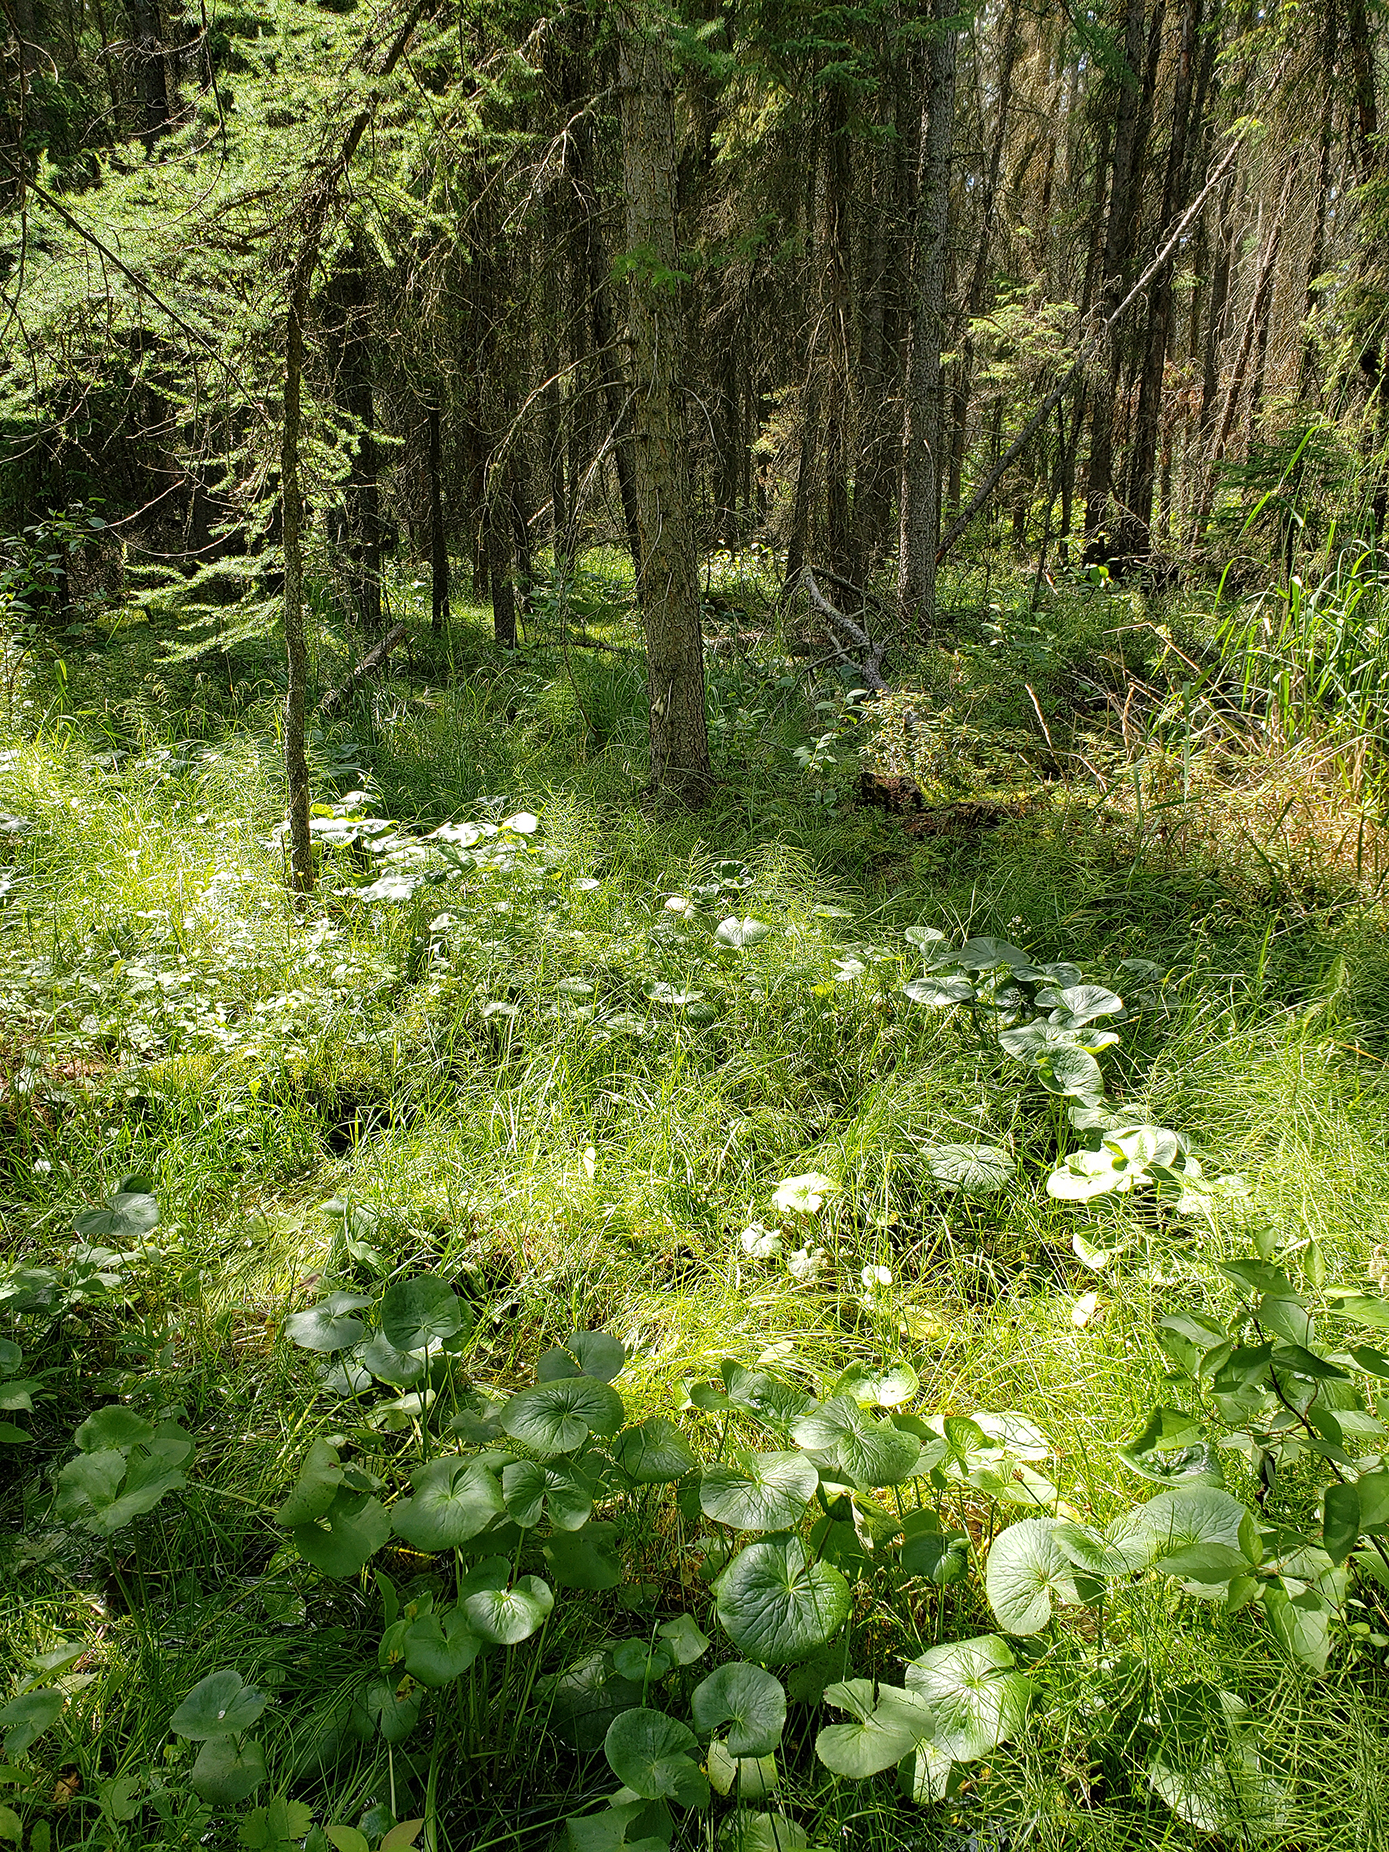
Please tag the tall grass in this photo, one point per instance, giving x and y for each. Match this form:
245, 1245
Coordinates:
591, 1155
1312, 661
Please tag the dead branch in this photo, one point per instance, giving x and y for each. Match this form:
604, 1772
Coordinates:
372, 661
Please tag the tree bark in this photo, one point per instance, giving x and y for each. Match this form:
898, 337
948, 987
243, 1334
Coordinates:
974, 296
500, 569
1132, 123
923, 423
301, 873
438, 537
1136, 520
350, 306
668, 576
151, 82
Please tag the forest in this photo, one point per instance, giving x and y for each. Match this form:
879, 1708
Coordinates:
694, 701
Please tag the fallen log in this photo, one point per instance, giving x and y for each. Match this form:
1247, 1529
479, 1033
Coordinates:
372, 661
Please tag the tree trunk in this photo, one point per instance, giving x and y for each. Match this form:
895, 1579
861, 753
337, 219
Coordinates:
501, 572
923, 423
438, 538
349, 301
1136, 521
974, 297
668, 578
296, 639
151, 82
1132, 123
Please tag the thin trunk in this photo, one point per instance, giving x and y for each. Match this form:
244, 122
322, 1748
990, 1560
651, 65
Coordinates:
1136, 521
799, 540
350, 347
923, 450
979, 275
438, 538
499, 571
1132, 123
1257, 313
1316, 256
836, 282
1088, 350
301, 871
151, 83
668, 578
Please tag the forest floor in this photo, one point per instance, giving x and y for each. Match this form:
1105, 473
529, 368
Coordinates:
547, 1077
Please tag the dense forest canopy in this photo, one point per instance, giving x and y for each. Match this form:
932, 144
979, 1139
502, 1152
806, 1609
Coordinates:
838, 282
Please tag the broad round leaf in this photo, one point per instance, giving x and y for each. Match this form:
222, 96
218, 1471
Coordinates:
131, 1215
584, 1558
975, 1169
979, 1699
400, 1368
1171, 1449
439, 1647
1199, 1534
1230, 1794
851, 1443
1088, 1550
879, 1736
585, 1698
1072, 1072
939, 993
582, 1354
640, 1661
346, 1537
1025, 1570
751, 1701
767, 1491
746, 1831
598, 1354
454, 1499
745, 1778
559, 1490
774, 1402
396, 1708
89, 1486
924, 936
1074, 1005
738, 933
558, 1417
776, 1605
225, 1772
506, 1616
941, 1556
654, 1452
329, 1326
222, 1704
988, 954
683, 1639
104, 1491
650, 1754
415, 1312
1022, 1438
871, 1388
113, 1426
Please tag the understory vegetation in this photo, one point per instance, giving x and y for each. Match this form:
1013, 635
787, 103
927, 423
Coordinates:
846, 1319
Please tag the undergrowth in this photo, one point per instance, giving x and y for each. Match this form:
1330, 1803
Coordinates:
526, 1057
